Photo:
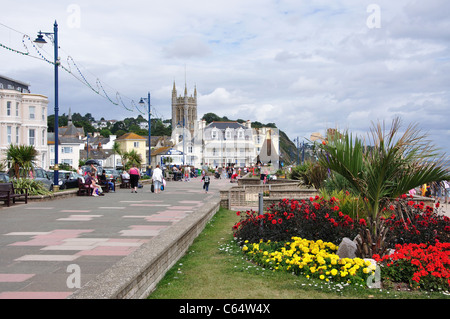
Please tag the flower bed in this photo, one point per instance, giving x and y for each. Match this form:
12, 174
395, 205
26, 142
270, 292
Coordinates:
314, 219
313, 259
421, 265
415, 223
301, 236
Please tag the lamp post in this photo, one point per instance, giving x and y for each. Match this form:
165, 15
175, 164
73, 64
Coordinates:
40, 41
142, 103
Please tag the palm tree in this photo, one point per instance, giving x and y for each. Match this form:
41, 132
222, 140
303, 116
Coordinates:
116, 150
130, 158
390, 168
21, 157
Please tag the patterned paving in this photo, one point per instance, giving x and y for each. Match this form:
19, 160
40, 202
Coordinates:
39, 241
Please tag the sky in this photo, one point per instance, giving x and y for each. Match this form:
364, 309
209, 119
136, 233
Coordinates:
304, 65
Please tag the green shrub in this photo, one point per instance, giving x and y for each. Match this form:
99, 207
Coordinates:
34, 187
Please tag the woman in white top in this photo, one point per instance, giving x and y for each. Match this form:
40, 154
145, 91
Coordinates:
157, 178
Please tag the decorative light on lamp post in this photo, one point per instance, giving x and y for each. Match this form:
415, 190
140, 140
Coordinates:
142, 103
40, 41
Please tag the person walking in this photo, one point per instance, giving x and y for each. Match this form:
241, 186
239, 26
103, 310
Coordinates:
157, 178
206, 180
134, 178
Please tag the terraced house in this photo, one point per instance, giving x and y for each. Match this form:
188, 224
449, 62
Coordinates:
23, 118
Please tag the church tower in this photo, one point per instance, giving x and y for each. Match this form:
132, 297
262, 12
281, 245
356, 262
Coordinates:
184, 109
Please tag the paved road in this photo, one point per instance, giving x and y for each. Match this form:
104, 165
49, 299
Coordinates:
44, 245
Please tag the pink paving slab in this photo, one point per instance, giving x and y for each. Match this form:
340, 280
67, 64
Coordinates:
53, 238
15, 277
34, 295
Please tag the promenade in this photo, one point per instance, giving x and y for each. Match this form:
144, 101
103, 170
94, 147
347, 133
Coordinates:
51, 249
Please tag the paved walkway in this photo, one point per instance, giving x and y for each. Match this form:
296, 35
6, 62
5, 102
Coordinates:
44, 245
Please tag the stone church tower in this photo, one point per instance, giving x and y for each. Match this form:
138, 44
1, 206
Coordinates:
184, 109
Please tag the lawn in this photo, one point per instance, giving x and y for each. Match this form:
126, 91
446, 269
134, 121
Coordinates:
214, 268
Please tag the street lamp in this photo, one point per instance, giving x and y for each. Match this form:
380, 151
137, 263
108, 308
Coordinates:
142, 103
40, 41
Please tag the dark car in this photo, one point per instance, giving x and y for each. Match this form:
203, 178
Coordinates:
66, 179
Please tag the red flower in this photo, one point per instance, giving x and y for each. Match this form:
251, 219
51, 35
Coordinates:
274, 221
362, 222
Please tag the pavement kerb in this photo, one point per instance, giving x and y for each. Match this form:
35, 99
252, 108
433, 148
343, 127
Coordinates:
137, 275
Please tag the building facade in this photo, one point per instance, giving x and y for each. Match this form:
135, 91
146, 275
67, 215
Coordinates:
23, 119
132, 141
219, 143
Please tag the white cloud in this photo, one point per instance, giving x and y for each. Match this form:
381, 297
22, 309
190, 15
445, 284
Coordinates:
302, 65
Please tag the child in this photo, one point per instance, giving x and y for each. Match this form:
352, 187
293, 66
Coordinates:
206, 181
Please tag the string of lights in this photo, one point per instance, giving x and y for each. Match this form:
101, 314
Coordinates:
73, 68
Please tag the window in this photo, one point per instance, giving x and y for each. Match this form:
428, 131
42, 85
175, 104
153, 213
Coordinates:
8, 134
136, 144
214, 135
67, 161
32, 112
17, 109
8, 108
67, 150
43, 113
31, 136
17, 135
43, 137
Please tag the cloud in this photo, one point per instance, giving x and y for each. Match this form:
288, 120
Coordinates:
187, 47
304, 66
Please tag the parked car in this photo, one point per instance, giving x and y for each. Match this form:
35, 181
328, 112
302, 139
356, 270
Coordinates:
87, 168
111, 173
4, 178
66, 179
41, 175
38, 174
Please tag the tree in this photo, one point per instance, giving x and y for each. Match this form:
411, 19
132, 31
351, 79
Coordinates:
130, 158
21, 157
105, 132
116, 150
393, 166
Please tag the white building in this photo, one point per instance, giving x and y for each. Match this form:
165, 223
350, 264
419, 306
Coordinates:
23, 119
219, 143
70, 140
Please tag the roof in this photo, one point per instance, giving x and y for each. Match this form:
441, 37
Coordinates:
131, 136
225, 125
160, 151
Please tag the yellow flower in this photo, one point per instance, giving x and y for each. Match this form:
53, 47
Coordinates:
322, 277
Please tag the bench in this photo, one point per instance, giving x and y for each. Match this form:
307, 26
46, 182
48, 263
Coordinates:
105, 187
125, 183
8, 193
83, 189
